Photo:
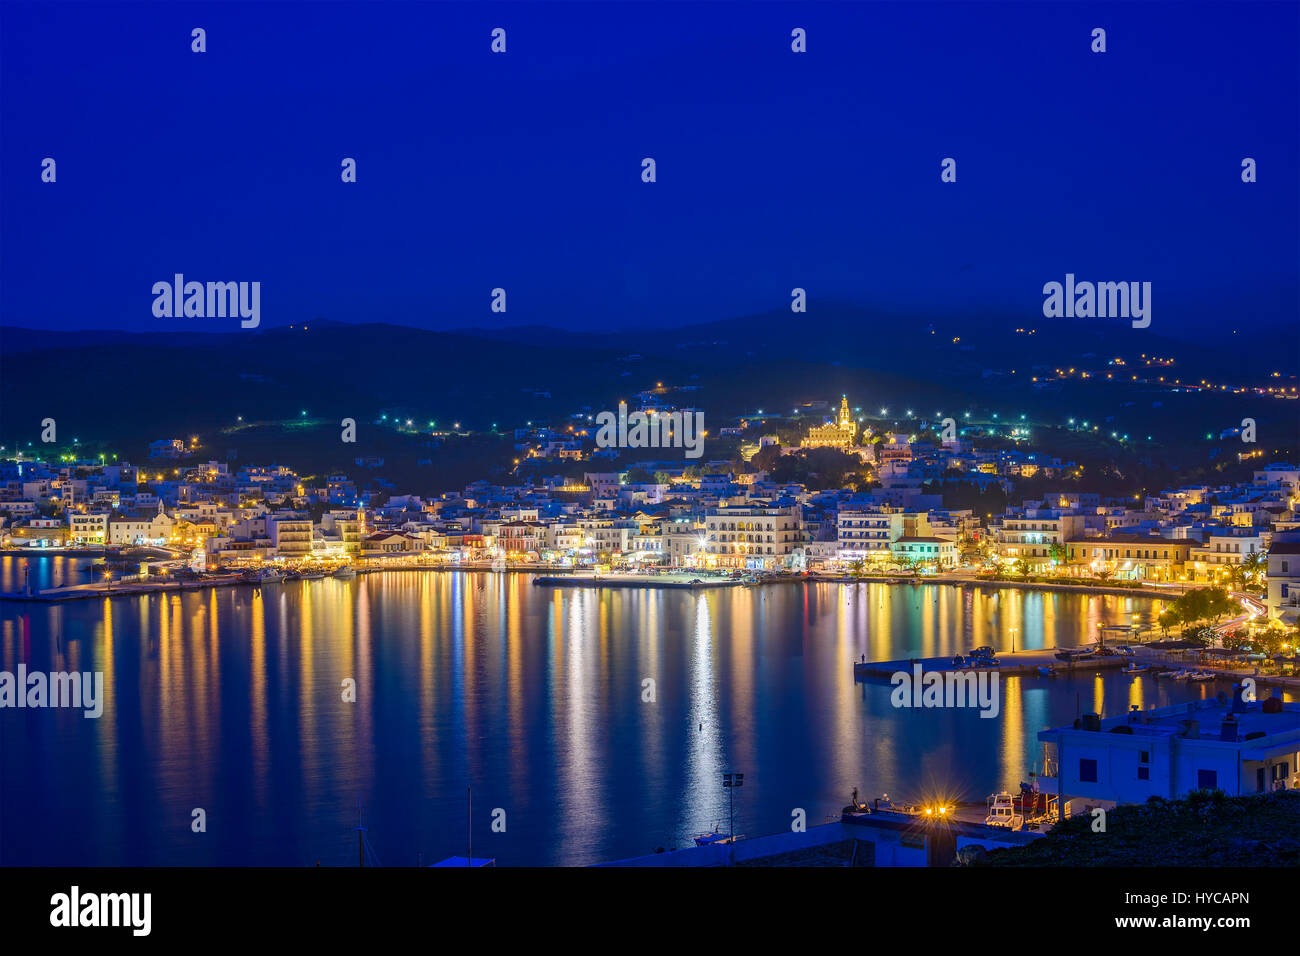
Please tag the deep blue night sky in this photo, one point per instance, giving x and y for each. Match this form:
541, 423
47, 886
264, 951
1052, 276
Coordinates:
477, 170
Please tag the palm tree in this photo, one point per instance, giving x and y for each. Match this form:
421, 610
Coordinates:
1237, 575
1254, 566
1057, 553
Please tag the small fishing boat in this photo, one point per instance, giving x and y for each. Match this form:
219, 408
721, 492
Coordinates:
714, 838
1032, 802
1199, 676
1046, 671
267, 576
1181, 675
345, 573
1133, 667
1002, 812
312, 575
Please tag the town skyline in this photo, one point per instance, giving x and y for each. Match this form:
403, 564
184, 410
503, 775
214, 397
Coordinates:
663, 435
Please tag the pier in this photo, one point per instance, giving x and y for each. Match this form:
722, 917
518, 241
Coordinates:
81, 592
1011, 662
682, 582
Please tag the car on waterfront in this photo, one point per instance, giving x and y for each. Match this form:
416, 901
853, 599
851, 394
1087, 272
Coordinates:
959, 661
983, 651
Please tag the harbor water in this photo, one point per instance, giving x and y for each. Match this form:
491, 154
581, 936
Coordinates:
591, 724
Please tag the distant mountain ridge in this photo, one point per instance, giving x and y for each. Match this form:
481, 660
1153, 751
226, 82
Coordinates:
830, 331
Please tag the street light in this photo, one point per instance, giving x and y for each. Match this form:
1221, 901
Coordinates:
730, 785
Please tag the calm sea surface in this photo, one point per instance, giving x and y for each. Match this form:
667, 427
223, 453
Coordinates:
232, 701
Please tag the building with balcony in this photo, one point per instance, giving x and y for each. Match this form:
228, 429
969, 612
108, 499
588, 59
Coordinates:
760, 538
1211, 744
290, 534
1283, 595
1130, 557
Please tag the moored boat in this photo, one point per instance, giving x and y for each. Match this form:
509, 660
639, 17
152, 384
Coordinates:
1003, 812
714, 838
345, 573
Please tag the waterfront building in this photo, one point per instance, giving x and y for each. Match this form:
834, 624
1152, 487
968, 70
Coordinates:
38, 533
1037, 537
88, 528
1131, 557
760, 538
606, 536
346, 526
1224, 550
139, 529
1213, 744
521, 539
685, 540
868, 535
928, 551
564, 538
388, 544
290, 534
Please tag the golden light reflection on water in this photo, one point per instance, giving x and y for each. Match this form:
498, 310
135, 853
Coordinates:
534, 695
256, 616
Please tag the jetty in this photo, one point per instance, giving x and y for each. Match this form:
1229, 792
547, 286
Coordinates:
1010, 662
676, 582
98, 589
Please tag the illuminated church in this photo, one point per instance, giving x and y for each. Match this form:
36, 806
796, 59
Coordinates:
841, 434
